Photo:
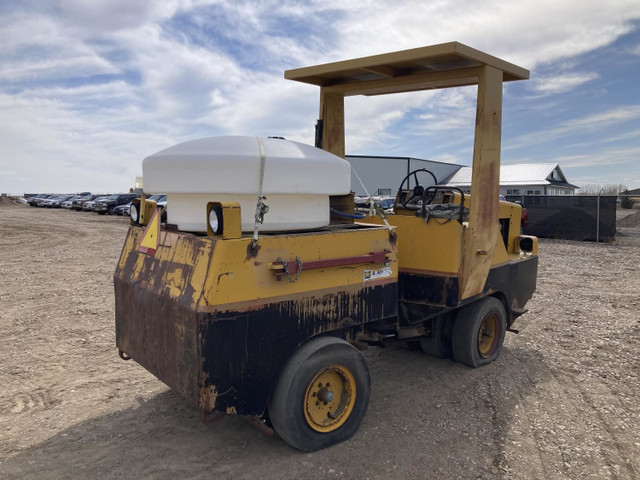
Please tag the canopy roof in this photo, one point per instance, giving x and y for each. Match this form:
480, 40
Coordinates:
438, 66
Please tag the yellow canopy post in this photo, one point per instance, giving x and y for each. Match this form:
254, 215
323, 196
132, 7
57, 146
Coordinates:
438, 66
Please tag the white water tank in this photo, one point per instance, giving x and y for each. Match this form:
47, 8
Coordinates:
298, 180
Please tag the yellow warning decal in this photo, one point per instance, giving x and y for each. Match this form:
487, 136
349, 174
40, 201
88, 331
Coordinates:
151, 235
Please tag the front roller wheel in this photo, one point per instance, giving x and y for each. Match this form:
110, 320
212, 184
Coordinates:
322, 395
478, 333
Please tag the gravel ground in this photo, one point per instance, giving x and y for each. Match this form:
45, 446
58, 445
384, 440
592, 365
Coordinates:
561, 402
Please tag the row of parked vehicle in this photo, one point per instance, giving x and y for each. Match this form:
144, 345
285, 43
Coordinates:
115, 204
385, 201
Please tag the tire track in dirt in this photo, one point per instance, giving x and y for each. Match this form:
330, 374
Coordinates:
24, 402
621, 455
82, 413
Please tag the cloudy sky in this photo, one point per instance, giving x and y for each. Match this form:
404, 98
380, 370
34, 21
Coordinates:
88, 88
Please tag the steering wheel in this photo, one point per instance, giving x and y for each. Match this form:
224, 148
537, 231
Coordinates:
418, 190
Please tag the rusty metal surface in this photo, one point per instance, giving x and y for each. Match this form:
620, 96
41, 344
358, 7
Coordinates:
226, 357
161, 336
282, 267
243, 352
427, 296
155, 325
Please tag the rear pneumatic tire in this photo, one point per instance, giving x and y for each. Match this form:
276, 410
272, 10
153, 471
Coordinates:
478, 333
435, 347
322, 395
438, 344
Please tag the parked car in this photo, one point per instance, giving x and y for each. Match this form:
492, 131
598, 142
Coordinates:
386, 202
78, 202
91, 204
57, 203
67, 203
46, 202
33, 201
38, 201
122, 209
162, 203
524, 219
160, 197
106, 206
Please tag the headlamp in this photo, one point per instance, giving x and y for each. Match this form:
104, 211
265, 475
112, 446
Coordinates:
215, 220
134, 213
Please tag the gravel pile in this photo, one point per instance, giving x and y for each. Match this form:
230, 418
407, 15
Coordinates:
630, 221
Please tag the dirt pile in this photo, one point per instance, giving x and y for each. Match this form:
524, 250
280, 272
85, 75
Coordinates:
8, 201
630, 221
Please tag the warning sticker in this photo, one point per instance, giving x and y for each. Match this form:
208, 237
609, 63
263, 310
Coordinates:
151, 235
369, 275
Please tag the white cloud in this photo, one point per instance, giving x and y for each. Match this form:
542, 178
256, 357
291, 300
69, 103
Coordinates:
593, 122
446, 158
630, 135
613, 116
50, 149
606, 157
53, 69
150, 80
537, 32
562, 83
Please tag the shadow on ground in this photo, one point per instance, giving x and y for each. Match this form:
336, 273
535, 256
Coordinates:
426, 415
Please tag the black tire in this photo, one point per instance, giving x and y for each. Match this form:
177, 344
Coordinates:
435, 348
471, 346
439, 343
288, 404
101, 213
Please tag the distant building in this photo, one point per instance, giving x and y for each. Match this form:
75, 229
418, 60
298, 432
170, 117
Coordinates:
521, 179
382, 176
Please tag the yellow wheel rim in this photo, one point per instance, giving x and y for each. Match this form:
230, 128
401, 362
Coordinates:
488, 336
329, 398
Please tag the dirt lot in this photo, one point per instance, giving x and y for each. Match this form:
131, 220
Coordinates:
561, 402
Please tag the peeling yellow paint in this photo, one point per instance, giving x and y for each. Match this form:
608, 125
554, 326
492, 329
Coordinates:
206, 272
174, 281
208, 397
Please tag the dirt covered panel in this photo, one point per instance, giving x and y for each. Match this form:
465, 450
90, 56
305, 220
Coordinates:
561, 402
